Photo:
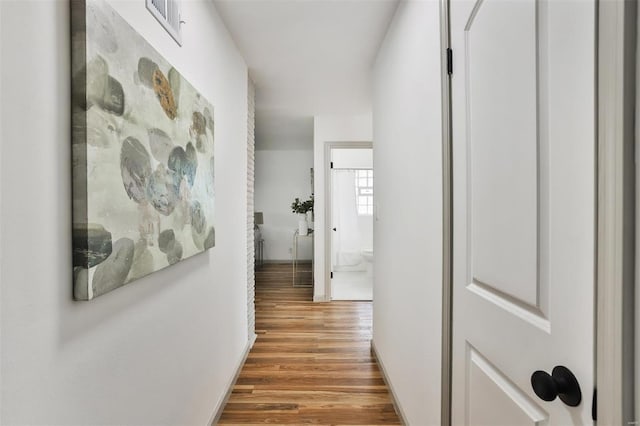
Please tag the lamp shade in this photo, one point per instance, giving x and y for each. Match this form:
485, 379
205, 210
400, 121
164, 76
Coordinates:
257, 218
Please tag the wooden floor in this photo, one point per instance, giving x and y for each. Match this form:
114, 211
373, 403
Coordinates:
311, 363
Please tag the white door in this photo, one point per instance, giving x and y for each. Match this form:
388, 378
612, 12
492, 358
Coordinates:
523, 96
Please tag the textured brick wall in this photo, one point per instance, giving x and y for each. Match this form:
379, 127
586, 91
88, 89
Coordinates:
251, 317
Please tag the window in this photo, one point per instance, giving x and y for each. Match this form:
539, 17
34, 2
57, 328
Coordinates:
364, 192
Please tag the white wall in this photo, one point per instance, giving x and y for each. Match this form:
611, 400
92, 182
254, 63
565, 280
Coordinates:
352, 158
407, 292
281, 176
328, 128
158, 351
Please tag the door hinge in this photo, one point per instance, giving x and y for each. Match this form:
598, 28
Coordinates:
594, 405
331, 274
332, 164
449, 61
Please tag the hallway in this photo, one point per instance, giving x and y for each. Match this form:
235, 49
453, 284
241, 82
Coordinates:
311, 362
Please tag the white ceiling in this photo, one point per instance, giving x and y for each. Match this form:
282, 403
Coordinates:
306, 57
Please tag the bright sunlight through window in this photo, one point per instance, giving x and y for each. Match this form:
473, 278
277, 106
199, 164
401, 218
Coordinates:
364, 192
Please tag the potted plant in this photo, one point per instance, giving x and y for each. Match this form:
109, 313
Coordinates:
301, 208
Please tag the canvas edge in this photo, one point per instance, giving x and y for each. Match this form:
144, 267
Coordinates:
79, 139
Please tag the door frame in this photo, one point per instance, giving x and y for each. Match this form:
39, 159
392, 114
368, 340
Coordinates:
447, 219
328, 146
615, 247
615, 209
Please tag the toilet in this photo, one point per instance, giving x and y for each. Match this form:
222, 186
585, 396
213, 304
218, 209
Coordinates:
367, 255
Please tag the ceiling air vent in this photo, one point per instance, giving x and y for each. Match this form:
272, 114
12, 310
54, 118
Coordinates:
167, 12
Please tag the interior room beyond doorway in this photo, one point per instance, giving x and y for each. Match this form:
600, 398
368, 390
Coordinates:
352, 223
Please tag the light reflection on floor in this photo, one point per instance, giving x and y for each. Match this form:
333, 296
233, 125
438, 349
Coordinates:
351, 285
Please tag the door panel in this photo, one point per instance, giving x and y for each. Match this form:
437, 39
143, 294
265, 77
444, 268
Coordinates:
503, 137
523, 114
488, 388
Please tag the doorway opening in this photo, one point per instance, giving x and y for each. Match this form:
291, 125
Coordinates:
351, 210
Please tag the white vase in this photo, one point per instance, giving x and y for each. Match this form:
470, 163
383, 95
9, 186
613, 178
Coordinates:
310, 219
303, 226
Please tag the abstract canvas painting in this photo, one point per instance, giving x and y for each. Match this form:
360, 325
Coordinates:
143, 156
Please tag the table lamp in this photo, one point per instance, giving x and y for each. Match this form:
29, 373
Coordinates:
258, 219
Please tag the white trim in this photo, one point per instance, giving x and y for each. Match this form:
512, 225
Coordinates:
320, 298
280, 261
385, 377
1, 210
615, 262
637, 221
447, 222
328, 146
217, 413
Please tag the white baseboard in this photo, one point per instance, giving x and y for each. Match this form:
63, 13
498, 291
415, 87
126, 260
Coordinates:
394, 399
220, 407
320, 298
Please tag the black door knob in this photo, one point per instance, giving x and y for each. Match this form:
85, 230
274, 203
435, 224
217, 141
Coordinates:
334, 229
560, 383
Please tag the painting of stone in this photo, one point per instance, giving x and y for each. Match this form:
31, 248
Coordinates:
143, 156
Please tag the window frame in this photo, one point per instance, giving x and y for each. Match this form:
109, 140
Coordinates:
364, 192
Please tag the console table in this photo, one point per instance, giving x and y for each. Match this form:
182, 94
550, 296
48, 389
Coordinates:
259, 254
296, 268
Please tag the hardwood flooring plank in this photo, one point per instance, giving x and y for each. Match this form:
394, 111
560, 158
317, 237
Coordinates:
307, 397
311, 362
